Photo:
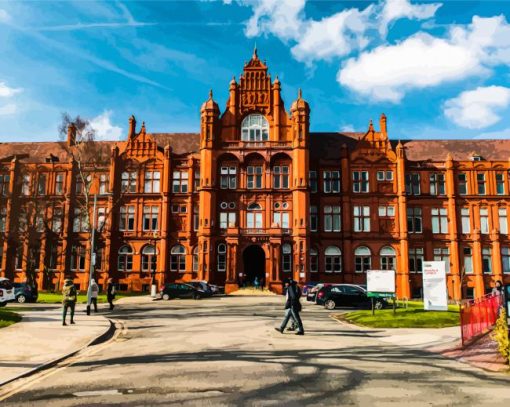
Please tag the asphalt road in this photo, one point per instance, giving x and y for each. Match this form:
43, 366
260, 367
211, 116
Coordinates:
224, 351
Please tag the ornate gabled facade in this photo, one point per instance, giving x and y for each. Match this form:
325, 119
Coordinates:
256, 195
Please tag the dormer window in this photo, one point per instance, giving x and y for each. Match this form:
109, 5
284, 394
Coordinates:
255, 128
476, 157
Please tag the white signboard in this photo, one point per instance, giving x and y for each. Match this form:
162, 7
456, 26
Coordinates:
381, 281
435, 294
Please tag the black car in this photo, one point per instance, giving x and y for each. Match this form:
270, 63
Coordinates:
348, 295
202, 285
181, 290
25, 292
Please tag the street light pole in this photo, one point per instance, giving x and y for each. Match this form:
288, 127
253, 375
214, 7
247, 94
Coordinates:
154, 288
92, 258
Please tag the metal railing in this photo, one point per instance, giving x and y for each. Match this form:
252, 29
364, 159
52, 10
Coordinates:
478, 316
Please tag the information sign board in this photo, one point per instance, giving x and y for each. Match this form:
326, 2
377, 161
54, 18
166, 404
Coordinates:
435, 294
380, 283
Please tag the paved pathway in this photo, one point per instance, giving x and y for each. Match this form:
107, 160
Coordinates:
40, 338
224, 351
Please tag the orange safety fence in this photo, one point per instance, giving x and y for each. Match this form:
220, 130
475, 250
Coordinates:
478, 316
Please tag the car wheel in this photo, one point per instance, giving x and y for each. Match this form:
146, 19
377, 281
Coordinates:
21, 299
196, 296
166, 297
329, 304
3, 304
378, 305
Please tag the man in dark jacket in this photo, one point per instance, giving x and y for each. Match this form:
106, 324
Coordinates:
292, 307
110, 292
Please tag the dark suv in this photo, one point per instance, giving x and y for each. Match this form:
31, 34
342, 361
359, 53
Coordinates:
347, 295
181, 290
24, 292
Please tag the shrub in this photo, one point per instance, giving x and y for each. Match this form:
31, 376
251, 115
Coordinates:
500, 335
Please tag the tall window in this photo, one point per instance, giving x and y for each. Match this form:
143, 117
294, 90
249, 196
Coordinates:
255, 128
503, 221
196, 217
387, 211
4, 184
500, 183
480, 180
332, 219
312, 175
128, 181
152, 181
25, 185
254, 177
104, 180
196, 180
416, 260
149, 258
228, 177
465, 220
360, 181
331, 181
222, 257
361, 218
286, 258
227, 219
314, 218
78, 258
443, 254
195, 259
180, 182
281, 177
53, 250
23, 221
505, 259
125, 260
150, 217
413, 184
468, 260
56, 225
362, 259
484, 221
487, 260
437, 184
80, 221
18, 258
439, 220
281, 219
3, 218
127, 218
314, 260
178, 258
41, 184
39, 219
254, 216
59, 184
384, 175
388, 258
462, 184
101, 218
333, 259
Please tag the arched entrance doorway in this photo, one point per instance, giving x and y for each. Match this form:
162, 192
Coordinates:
254, 261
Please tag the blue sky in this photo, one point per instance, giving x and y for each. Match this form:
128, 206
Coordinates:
437, 69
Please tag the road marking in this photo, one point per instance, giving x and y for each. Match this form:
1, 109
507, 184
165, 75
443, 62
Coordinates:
25, 383
92, 393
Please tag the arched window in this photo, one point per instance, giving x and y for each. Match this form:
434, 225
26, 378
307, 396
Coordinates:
125, 259
178, 258
387, 254
254, 216
363, 259
149, 258
333, 259
195, 259
222, 257
286, 258
314, 260
255, 128
254, 206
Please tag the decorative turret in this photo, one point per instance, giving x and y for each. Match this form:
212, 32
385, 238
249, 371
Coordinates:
209, 113
383, 124
300, 104
132, 127
300, 111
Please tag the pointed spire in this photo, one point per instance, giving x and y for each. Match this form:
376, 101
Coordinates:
142, 130
299, 94
370, 126
255, 55
210, 94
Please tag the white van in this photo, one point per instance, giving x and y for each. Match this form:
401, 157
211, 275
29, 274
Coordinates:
6, 291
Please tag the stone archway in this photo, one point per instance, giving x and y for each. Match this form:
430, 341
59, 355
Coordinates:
254, 262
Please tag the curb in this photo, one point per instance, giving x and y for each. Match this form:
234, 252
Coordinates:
95, 341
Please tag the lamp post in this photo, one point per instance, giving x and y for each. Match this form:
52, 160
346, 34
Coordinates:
154, 287
92, 259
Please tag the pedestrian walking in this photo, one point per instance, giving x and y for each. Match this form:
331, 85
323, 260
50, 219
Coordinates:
110, 292
93, 293
256, 283
498, 288
292, 307
69, 295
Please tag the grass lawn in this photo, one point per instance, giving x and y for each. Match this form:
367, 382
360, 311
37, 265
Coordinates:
56, 298
414, 316
8, 318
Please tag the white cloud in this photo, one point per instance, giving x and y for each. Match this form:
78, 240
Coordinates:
6, 91
8, 109
501, 134
478, 108
388, 72
396, 9
4, 16
104, 128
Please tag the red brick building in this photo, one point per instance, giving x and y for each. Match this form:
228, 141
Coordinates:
256, 194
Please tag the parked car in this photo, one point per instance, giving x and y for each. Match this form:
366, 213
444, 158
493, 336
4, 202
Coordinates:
25, 293
202, 285
347, 295
6, 291
307, 287
311, 295
182, 290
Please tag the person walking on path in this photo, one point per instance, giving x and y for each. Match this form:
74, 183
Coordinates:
256, 283
94, 292
292, 307
69, 295
110, 292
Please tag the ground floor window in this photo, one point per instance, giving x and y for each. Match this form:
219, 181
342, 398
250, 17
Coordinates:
222, 257
487, 260
125, 259
416, 260
333, 259
314, 260
388, 258
195, 259
286, 258
78, 258
505, 259
178, 258
443, 254
362, 259
149, 258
